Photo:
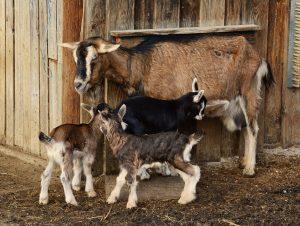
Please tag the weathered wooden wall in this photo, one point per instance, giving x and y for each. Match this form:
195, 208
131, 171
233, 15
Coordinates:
32, 86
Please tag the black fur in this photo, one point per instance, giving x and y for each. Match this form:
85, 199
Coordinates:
146, 115
44, 138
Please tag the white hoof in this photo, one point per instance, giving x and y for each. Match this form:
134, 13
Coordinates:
72, 202
184, 199
249, 171
131, 205
144, 175
92, 194
76, 187
111, 199
43, 200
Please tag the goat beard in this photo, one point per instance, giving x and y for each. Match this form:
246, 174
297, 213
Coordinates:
95, 95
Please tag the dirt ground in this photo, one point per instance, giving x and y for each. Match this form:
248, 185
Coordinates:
225, 197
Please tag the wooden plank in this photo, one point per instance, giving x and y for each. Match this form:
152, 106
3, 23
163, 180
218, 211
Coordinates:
26, 75
52, 43
212, 12
189, 13
247, 12
167, 14
18, 130
2, 71
72, 16
144, 14
120, 15
278, 33
189, 30
260, 17
233, 12
290, 128
43, 63
34, 77
10, 43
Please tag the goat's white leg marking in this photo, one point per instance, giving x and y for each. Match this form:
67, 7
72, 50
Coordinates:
189, 191
120, 181
187, 150
65, 180
144, 175
77, 169
87, 169
250, 151
45, 181
132, 198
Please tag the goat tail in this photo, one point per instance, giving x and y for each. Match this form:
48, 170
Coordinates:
196, 137
265, 72
44, 138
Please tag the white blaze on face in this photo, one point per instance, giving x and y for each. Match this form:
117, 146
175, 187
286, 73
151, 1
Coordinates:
91, 55
200, 116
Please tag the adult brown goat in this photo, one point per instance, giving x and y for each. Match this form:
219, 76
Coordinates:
228, 68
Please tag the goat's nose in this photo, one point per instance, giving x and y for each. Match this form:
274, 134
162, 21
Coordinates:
77, 85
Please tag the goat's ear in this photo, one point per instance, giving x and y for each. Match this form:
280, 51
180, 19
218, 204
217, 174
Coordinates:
88, 108
122, 111
106, 48
69, 45
195, 85
198, 96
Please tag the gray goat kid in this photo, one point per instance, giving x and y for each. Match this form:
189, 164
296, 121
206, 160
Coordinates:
148, 151
71, 146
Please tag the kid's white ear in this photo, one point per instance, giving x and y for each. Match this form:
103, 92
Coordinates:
198, 96
122, 111
88, 108
69, 45
195, 85
106, 48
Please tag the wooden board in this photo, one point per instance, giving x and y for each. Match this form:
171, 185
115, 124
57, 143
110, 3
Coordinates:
157, 188
9, 85
166, 14
189, 13
144, 11
52, 42
44, 80
34, 80
212, 12
72, 17
186, 31
2, 71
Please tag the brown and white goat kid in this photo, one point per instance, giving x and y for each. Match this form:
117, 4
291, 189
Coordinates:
71, 146
148, 151
228, 68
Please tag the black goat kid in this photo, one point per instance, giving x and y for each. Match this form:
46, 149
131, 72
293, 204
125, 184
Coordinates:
146, 115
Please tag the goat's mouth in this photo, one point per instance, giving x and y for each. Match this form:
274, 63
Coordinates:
83, 88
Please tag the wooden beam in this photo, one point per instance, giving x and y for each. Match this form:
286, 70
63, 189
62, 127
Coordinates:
188, 30
72, 16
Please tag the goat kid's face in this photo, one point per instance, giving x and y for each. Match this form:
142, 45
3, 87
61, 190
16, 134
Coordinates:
107, 119
86, 55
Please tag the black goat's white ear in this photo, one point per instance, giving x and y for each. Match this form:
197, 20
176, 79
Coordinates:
69, 45
122, 111
195, 85
198, 96
88, 108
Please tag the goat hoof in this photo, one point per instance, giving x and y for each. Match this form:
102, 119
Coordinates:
186, 199
131, 205
111, 200
91, 194
76, 187
249, 172
43, 201
72, 202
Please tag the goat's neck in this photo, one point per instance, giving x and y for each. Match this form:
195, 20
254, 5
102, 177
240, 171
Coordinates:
125, 69
115, 138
